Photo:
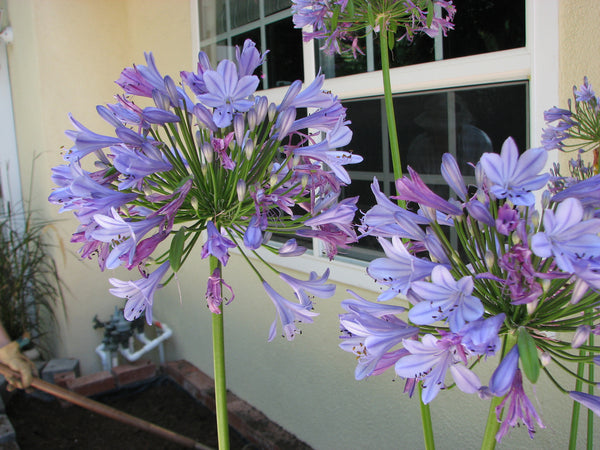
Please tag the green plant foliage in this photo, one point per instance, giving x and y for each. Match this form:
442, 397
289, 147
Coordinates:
30, 287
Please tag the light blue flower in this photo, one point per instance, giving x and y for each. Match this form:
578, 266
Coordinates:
140, 293
444, 298
566, 236
398, 269
288, 313
315, 285
429, 360
227, 93
515, 177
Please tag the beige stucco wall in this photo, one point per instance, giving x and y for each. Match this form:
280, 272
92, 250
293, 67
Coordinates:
64, 58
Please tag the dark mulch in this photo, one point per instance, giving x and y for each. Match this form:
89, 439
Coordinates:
46, 423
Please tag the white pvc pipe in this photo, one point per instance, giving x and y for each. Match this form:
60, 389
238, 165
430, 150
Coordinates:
148, 344
104, 357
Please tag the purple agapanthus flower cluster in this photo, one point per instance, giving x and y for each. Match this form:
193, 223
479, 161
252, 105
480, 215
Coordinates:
576, 128
226, 169
340, 23
517, 279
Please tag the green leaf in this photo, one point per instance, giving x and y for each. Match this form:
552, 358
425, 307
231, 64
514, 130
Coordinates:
176, 250
370, 15
335, 17
391, 41
350, 7
528, 355
430, 13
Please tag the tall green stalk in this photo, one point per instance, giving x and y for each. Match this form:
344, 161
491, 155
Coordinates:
219, 371
427, 424
389, 102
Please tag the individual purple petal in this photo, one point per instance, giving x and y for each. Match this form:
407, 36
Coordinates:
590, 401
291, 248
313, 286
481, 336
504, 374
581, 336
413, 189
453, 177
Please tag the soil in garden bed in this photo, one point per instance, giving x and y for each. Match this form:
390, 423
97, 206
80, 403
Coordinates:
52, 424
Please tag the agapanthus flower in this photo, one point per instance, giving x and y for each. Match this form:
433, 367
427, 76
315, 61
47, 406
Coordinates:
481, 273
339, 26
288, 313
224, 171
519, 408
444, 297
140, 293
515, 177
429, 360
567, 236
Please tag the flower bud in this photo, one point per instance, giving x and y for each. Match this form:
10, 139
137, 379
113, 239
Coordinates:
531, 306
207, 152
238, 128
171, 88
546, 199
273, 180
194, 203
535, 219
489, 259
251, 116
249, 148
203, 169
545, 358
272, 111
261, 108
241, 189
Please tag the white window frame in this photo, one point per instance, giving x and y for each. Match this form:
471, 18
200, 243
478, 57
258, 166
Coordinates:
537, 62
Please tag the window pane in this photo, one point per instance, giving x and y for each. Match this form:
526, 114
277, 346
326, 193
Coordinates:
366, 118
485, 26
340, 65
284, 60
273, 6
420, 50
465, 122
243, 12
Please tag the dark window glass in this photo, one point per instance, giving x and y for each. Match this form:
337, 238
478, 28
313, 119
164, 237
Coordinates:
485, 26
336, 65
243, 12
284, 60
273, 6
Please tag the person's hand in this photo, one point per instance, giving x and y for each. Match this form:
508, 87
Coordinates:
11, 356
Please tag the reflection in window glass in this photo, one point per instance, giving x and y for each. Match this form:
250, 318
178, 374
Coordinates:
273, 6
243, 12
465, 122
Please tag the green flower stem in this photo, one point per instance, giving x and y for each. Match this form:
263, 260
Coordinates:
389, 102
576, 407
590, 417
492, 426
219, 371
426, 421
